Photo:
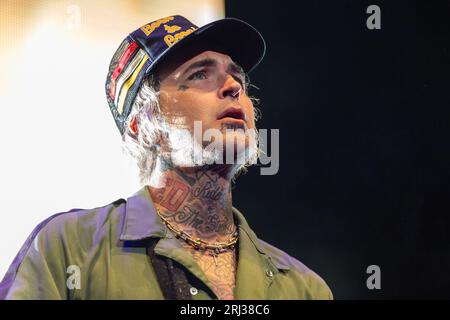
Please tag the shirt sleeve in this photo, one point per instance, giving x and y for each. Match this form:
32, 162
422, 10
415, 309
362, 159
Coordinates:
319, 289
324, 292
38, 272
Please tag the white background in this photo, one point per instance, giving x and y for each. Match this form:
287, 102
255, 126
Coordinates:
60, 146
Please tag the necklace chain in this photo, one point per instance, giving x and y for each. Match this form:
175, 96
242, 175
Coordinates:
216, 247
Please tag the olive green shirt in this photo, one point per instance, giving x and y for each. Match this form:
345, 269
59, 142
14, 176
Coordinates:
101, 254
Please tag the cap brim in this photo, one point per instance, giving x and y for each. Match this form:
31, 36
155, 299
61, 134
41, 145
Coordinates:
234, 37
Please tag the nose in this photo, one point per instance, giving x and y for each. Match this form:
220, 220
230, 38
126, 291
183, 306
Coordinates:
230, 88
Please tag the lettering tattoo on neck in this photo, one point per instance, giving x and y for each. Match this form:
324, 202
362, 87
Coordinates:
207, 191
205, 226
200, 205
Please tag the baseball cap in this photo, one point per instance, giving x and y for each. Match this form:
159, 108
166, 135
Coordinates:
145, 48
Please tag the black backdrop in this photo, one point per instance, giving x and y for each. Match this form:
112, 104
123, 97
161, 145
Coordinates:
364, 155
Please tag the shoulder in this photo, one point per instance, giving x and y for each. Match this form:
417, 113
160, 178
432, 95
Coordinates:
88, 218
78, 229
315, 286
78, 222
61, 238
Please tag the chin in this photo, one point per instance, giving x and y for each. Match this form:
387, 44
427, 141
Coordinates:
238, 148
224, 146
235, 140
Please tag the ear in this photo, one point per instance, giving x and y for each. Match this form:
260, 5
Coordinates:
133, 126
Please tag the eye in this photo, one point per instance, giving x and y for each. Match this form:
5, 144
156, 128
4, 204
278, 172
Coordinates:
198, 75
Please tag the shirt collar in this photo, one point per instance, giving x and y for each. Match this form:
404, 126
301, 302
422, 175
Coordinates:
141, 221
281, 262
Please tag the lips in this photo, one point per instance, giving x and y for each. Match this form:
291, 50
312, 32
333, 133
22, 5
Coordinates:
233, 112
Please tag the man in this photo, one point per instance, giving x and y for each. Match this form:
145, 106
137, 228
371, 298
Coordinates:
179, 237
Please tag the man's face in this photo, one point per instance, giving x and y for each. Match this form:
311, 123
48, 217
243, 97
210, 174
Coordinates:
210, 88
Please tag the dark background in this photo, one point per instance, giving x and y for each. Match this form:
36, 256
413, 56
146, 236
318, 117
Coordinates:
364, 153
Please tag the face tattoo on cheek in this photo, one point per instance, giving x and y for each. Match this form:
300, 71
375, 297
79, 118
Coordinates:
182, 87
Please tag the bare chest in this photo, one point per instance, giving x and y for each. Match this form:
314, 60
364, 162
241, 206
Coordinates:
220, 271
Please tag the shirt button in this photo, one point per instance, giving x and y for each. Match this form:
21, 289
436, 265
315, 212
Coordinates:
269, 273
194, 291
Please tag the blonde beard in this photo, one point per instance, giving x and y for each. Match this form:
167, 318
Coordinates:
185, 150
